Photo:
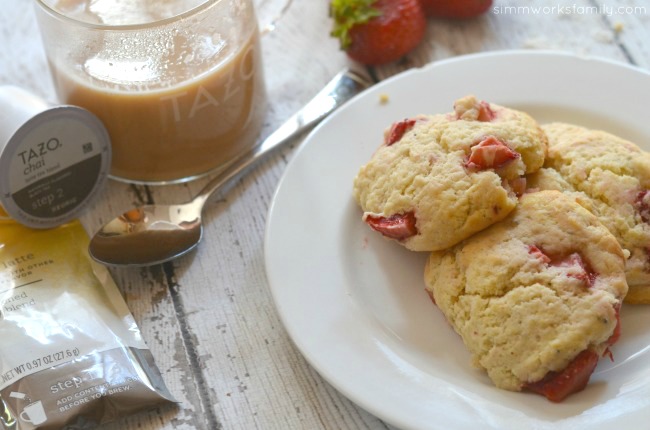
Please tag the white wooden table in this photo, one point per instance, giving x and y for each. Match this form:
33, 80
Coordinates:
209, 318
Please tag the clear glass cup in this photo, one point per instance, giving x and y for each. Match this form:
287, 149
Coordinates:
178, 83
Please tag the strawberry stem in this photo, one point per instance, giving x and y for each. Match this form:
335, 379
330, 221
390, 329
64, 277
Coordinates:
347, 14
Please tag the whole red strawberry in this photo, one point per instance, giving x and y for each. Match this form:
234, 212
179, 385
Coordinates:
376, 32
455, 8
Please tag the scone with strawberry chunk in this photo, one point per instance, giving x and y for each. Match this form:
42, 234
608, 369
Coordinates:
609, 176
535, 297
438, 179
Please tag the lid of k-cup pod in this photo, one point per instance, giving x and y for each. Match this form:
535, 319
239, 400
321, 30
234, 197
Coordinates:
53, 160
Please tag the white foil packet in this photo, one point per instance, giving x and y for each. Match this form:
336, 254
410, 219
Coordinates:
72, 354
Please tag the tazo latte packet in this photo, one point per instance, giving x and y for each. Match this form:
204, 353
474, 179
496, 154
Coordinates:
71, 354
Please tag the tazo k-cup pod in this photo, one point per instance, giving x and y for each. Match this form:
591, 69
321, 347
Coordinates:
53, 159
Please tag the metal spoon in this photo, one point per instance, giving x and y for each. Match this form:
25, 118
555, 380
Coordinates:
154, 234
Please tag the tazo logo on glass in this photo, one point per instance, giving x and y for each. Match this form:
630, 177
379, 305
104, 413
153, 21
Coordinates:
181, 94
203, 98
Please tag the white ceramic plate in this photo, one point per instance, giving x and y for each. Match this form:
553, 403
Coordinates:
355, 304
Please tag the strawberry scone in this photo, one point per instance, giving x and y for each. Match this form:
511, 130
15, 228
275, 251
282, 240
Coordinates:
609, 176
437, 179
535, 297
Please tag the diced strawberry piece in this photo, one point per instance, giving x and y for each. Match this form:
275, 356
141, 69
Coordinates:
397, 131
556, 386
642, 204
485, 112
584, 272
580, 269
398, 226
480, 110
490, 153
537, 253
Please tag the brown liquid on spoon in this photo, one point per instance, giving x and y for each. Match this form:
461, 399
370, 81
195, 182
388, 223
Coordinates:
144, 247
